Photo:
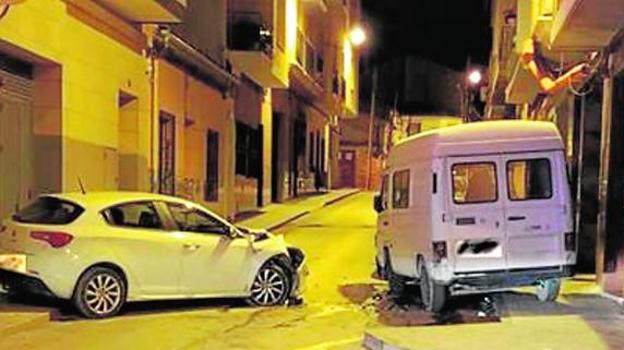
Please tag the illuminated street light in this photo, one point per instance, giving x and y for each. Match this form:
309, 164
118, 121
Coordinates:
475, 77
357, 36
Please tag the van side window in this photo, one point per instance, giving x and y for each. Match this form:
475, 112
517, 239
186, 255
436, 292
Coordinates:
529, 179
474, 183
400, 189
384, 192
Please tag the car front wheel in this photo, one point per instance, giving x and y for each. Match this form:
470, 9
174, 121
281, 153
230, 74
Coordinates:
270, 287
100, 293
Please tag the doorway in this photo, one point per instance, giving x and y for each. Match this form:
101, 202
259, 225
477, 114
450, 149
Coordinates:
166, 165
275, 155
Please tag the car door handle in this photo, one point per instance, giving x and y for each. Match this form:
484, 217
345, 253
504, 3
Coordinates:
516, 218
385, 223
466, 221
191, 247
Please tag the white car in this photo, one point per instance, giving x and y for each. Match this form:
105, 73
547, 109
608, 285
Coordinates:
100, 250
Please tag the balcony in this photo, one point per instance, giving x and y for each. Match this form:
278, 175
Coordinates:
586, 25
307, 73
250, 42
147, 11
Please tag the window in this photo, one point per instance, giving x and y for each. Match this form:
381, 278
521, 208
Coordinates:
166, 170
49, 211
211, 187
194, 220
474, 183
384, 192
248, 157
529, 179
136, 215
400, 189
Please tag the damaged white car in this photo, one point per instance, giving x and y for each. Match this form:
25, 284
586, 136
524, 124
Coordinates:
100, 250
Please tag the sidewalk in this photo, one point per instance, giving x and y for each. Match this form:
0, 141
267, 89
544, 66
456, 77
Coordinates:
277, 215
580, 319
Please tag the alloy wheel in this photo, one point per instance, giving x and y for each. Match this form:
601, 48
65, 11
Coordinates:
103, 293
270, 286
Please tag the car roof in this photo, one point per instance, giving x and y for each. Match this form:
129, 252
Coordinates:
109, 198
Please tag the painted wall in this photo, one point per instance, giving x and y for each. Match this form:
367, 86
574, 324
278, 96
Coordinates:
197, 108
79, 98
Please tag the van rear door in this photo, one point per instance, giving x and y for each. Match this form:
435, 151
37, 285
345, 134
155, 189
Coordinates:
535, 209
476, 213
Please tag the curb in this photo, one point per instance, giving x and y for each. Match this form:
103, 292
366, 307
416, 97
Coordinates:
371, 342
288, 221
342, 197
614, 298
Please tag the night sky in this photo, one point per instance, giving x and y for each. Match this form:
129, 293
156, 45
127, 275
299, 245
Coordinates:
445, 31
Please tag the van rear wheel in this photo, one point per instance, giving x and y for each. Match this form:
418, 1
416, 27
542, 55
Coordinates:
548, 290
432, 295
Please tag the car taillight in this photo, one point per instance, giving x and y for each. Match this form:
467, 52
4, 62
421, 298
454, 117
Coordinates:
570, 241
54, 239
439, 251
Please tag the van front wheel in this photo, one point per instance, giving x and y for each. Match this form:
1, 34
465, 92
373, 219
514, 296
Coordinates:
548, 290
432, 295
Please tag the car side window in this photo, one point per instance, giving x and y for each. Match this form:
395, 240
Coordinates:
400, 189
195, 220
384, 192
134, 215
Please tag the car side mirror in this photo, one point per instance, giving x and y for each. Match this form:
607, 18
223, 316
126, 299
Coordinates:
377, 204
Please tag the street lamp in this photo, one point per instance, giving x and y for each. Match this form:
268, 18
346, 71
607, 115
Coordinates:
475, 77
357, 36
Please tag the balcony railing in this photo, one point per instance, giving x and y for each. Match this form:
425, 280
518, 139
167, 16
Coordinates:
248, 31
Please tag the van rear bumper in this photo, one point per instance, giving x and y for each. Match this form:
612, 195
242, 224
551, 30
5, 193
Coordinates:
490, 281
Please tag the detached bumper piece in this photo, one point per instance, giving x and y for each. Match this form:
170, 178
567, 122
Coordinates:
492, 281
22, 284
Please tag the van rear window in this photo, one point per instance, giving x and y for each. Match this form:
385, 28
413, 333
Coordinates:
50, 211
529, 179
474, 183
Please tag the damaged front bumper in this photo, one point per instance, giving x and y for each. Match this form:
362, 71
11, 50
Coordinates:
491, 281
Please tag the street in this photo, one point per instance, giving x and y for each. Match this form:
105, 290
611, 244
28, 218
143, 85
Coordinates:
339, 309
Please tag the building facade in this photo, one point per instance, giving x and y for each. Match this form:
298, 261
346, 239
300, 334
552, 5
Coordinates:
230, 103
562, 61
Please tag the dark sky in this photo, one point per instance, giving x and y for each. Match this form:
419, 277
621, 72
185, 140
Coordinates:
446, 31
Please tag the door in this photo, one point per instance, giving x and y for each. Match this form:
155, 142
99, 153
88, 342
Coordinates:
536, 214
213, 264
476, 213
166, 167
147, 246
383, 219
347, 168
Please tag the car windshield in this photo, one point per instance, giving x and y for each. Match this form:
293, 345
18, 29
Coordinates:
49, 210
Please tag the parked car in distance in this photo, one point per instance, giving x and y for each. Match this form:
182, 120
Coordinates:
474, 208
103, 249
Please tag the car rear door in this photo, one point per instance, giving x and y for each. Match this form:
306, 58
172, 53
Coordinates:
476, 211
139, 236
535, 212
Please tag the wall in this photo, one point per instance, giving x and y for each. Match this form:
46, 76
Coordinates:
198, 107
54, 33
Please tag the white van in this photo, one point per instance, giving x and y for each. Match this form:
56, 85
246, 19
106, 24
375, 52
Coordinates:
474, 208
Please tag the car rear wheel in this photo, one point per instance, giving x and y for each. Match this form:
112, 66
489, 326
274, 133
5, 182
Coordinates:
100, 293
270, 287
548, 290
433, 295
